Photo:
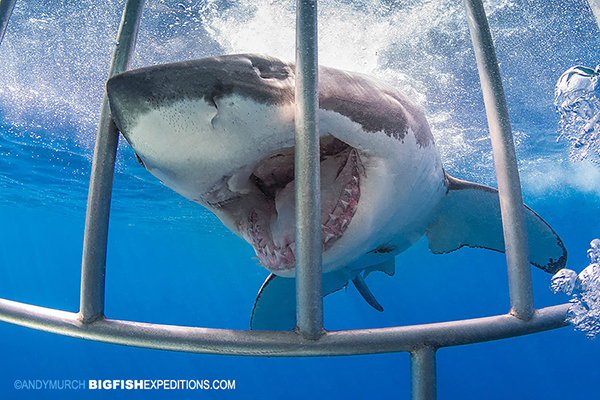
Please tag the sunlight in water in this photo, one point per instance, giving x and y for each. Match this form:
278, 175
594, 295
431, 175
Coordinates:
584, 313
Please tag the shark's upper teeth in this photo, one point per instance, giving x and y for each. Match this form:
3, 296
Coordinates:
344, 209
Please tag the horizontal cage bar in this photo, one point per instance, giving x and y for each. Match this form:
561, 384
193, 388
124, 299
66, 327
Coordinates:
281, 344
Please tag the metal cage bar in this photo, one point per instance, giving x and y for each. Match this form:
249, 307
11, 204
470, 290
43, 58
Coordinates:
6, 9
505, 159
282, 344
423, 375
595, 6
309, 288
98, 206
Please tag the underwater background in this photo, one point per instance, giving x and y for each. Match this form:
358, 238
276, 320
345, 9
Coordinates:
172, 262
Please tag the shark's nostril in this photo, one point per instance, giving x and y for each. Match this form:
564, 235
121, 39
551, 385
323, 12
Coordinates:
270, 69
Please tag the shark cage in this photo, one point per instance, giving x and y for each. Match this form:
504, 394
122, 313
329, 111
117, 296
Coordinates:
309, 338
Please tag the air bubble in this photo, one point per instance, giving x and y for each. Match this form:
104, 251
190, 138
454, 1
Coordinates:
584, 313
563, 281
577, 100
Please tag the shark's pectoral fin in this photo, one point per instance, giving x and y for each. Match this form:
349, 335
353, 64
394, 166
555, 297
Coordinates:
470, 216
275, 305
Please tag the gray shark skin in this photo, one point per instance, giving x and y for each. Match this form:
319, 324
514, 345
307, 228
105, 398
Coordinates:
220, 131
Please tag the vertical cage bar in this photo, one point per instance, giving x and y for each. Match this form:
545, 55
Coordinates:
509, 185
98, 206
595, 6
423, 375
309, 291
6, 9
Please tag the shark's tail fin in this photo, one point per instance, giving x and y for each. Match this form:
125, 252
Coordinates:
470, 216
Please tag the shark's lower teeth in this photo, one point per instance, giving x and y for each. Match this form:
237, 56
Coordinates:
277, 257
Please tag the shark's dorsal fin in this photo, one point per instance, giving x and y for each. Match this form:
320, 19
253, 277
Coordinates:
470, 216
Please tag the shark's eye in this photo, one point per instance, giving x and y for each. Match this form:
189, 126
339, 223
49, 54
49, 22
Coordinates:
139, 160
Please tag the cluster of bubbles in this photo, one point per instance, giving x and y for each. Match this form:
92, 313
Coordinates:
584, 313
577, 100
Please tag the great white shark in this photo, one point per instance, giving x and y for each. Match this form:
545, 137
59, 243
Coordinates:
220, 132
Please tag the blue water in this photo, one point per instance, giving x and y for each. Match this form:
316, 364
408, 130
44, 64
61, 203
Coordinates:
171, 262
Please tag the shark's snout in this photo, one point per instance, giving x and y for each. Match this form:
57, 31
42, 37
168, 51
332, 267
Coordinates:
135, 93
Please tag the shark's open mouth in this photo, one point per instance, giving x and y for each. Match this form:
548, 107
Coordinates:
270, 225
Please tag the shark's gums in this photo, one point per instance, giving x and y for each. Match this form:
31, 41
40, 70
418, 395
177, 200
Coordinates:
220, 131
